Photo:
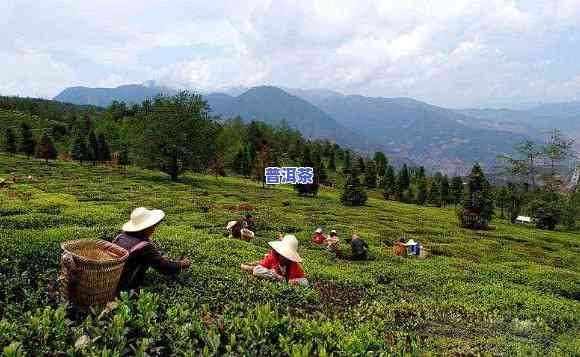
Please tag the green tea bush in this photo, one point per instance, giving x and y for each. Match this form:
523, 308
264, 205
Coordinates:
512, 290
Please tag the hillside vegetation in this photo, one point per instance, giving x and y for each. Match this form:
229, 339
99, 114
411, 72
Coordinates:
509, 290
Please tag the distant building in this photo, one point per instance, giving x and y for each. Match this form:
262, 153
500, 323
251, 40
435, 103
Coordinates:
524, 220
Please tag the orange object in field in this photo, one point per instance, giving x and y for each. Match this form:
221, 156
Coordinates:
400, 249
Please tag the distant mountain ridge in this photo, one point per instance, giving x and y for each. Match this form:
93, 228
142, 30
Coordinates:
273, 105
438, 138
102, 97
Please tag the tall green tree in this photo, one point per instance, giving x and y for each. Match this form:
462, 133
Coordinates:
516, 200
177, 134
353, 193
456, 190
403, 180
435, 190
332, 160
124, 156
239, 163
477, 210
93, 147
307, 159
445, 199
322, 175
247, 169
558, 149
347, 164
46, 150
104, 152
10, 144
422, 190
502, 199
388, 183
79, 150
381, 163
525, 164
371, 175
27, 144
361, 165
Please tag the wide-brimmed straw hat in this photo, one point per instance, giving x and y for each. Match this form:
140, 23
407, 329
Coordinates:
142, 218
287, 247
231, 224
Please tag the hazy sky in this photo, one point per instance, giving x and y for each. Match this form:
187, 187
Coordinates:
447, 52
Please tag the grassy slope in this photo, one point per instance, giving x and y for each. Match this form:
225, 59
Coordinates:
513, 289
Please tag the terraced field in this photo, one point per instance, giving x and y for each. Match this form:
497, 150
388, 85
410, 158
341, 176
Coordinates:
510, 290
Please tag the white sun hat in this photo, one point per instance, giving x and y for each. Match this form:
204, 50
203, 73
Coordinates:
318, 230
333, 231
287, 247
411, 242
142, 218
231, 224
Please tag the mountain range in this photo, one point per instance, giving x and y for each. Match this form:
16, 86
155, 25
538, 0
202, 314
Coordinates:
441, 139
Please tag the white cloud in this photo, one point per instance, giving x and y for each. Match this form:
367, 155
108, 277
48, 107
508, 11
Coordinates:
448, 52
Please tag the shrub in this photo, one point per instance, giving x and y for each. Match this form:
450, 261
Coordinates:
353, 194
477, 209
309, 189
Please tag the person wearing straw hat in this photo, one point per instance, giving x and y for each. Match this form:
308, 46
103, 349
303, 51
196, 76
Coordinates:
319, 237
241, 228
359, 248
282, 262
143, 254
332, 243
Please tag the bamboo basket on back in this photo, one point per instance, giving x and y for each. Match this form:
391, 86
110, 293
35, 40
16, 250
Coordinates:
90, 271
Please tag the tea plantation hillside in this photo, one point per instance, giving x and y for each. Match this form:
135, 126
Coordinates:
510, 290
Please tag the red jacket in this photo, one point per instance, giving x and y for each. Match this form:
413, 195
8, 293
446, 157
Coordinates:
318, 238
293, 270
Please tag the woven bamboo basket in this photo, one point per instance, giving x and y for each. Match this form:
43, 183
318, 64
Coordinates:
247, 234
90, 271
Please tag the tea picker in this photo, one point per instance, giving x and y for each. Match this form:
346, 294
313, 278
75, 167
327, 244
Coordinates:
413, 248
94, 271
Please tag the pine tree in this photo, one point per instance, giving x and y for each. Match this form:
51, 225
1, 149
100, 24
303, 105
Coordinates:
435, 190
46, 150
420, 173
239, 162
79, 150
332, 160
124, 156
10, 145
347, 165
27, 144
456, 190
104, 151
322, 175
371, 175
422, 191
353, 193
93, 148
389, 182
307, 160
445, 190
248, 161
477, 210
361, 166
317, 163
296, 150
88, 125
381, 163
404, 181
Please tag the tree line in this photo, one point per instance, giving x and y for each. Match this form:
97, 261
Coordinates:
177, 133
